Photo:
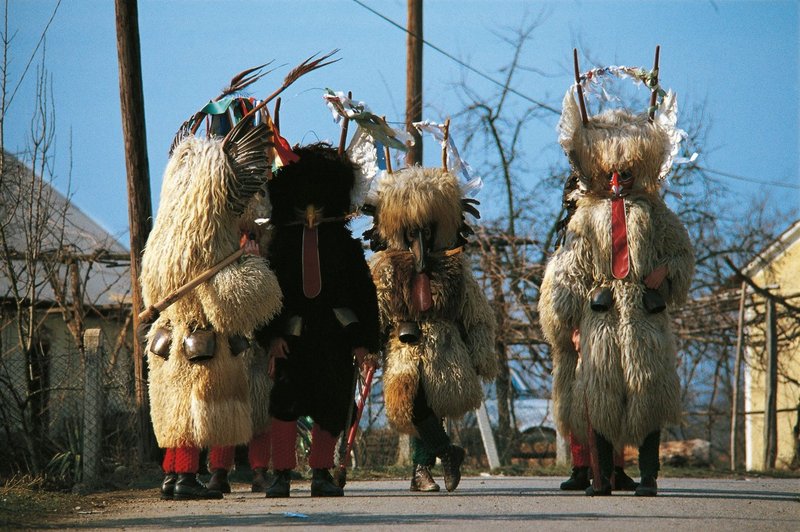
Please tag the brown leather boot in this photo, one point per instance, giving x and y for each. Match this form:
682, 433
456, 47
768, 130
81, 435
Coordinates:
322, 484
261, 480
452, 459
422, 480
219, 481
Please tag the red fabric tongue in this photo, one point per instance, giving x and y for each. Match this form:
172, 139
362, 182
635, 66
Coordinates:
620, 264
312, 279
421, 292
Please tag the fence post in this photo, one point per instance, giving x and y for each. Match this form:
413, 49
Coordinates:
94, 344
771, 389
487, 436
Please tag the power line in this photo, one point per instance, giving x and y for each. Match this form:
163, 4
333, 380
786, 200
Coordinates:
457, 60
747, 179
545, 106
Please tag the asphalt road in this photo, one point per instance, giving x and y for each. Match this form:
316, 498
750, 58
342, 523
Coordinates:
480, 503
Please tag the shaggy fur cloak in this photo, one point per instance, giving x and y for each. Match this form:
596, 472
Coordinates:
206, 403
625, 377
456, 346
316, 378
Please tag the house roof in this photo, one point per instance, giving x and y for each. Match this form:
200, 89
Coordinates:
63, 232
774, 250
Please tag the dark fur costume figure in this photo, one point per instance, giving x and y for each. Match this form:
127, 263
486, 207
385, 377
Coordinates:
437, 324
330, 308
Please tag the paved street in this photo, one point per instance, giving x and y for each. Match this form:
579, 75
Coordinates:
480, 503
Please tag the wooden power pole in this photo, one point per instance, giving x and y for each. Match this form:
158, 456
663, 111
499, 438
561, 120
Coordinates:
771, 389
414, 79
140, 213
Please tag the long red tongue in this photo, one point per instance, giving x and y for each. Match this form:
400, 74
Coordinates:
620, 264
421, 292
312, 279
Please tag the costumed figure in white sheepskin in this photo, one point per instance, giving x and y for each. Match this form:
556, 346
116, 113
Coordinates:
625, 262
437, 326
198, 347
221, 459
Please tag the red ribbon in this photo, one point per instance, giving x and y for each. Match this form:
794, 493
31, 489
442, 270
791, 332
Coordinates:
620, 263
421, 292
312, 278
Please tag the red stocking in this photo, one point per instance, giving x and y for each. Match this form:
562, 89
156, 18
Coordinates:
581, 454
187, 459
258, 451
221, 457
323, 445
283, 437
168, 465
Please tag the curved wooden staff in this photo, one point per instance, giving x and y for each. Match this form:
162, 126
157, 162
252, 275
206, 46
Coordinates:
345, 124
581, 100
341, 473
150, 314
654, 86
444, 143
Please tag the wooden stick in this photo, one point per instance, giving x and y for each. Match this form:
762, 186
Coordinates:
345, 123
277, 120
151, 313
581, 101
444, 144
387, 154
654, 93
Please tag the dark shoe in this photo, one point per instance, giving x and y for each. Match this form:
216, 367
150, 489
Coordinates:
578, 481
452, 459
620, 481
603, 491
422, 480
219, 481
322, 484
648, 487
280, 486
187, 487
261, 480
168, 486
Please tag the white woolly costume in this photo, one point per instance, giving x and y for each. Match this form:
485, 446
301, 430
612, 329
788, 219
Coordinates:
625, 378
201, 404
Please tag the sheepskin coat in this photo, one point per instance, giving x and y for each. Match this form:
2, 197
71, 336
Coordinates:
624, 381
205, 403
316, 377
456, 346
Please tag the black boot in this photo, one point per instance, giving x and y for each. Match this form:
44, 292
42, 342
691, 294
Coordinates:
578, 481
261, 480
603, 489
187, 487
322, 484
649, 465
280, 486
605, 457
422, 480
620, 481
168, 486
452, 459
219, 481
648, 487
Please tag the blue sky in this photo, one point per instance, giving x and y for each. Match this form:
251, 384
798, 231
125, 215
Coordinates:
739, 59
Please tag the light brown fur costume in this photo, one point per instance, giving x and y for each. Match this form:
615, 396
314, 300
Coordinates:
203, 404
456, 346
626, 375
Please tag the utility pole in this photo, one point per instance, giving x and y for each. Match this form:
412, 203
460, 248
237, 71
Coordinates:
140, 213
771, 388
413, 114
414, 79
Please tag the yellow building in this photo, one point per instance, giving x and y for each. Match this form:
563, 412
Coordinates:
777, 268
